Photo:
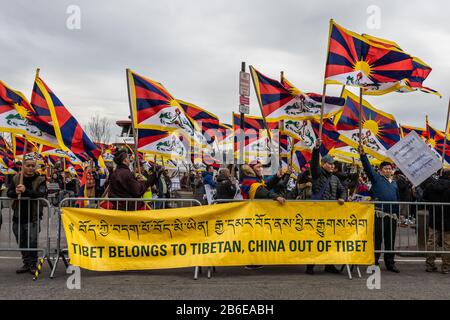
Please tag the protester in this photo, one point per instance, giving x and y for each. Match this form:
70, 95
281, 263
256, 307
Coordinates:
406, 193
163, 187
72, 185
325, 186
282, 186
199, 190
438, 221
123, 184
304, 185
184, 181
27, 213
226, 188
384, 188
254, 186
208, 181
208, 177
90, 183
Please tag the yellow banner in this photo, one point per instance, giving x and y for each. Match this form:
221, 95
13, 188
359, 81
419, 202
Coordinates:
232, 234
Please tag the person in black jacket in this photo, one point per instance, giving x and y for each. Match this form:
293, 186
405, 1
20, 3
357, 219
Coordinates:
27, 213
226, 189
325, 186
438, 220
123, 184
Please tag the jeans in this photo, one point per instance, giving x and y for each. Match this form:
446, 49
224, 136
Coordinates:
27, 237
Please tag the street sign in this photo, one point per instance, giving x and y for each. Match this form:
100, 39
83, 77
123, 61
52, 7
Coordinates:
244, 84
244, 100
244, 109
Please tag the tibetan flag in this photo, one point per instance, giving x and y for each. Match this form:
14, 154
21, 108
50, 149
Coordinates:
18, 143
82, 193
155, 108
436, 140
330, 135
225, 133
380, 130
405, 130
3, 144
208, 122
14, 111
7, 158
284, 143
167, 144
68, 131
256, 139
415, 82
300, 158
306, 133
280, 101
349, 154
68, 155
354, 60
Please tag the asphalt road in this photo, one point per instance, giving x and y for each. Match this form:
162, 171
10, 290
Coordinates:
270, 282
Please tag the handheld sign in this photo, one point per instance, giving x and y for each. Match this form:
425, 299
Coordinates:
416, 160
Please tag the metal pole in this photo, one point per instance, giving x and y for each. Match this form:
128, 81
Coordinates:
242, 128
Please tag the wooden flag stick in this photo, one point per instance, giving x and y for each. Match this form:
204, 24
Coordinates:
321, 111
324, 81
25, 146
138, 165
292, 153
64, 171
360, 116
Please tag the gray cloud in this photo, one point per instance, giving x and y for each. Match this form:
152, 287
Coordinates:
195, 49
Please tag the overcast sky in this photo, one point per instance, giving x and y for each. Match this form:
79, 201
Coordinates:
195, 49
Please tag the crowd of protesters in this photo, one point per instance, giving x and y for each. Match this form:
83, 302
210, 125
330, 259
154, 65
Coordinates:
321, 179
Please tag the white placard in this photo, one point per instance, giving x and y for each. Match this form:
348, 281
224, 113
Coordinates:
209, 193
416, 160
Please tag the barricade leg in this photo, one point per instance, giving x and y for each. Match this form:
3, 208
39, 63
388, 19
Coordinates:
196, 271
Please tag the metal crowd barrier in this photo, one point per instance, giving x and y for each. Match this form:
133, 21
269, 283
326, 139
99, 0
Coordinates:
125, 203
25, 232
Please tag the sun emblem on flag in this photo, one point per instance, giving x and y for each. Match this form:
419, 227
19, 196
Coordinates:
432, 142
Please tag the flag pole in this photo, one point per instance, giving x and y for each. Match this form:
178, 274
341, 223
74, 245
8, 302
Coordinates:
324, 83
264, 118
445, 136
292, 152
136, 157
64, 171
360, 115
25, 146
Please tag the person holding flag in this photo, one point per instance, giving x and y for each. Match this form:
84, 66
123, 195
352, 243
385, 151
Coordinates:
384, 188
325, 186
27, 213
123, 184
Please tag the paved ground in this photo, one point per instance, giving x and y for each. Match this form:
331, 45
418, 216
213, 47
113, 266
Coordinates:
271, 282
